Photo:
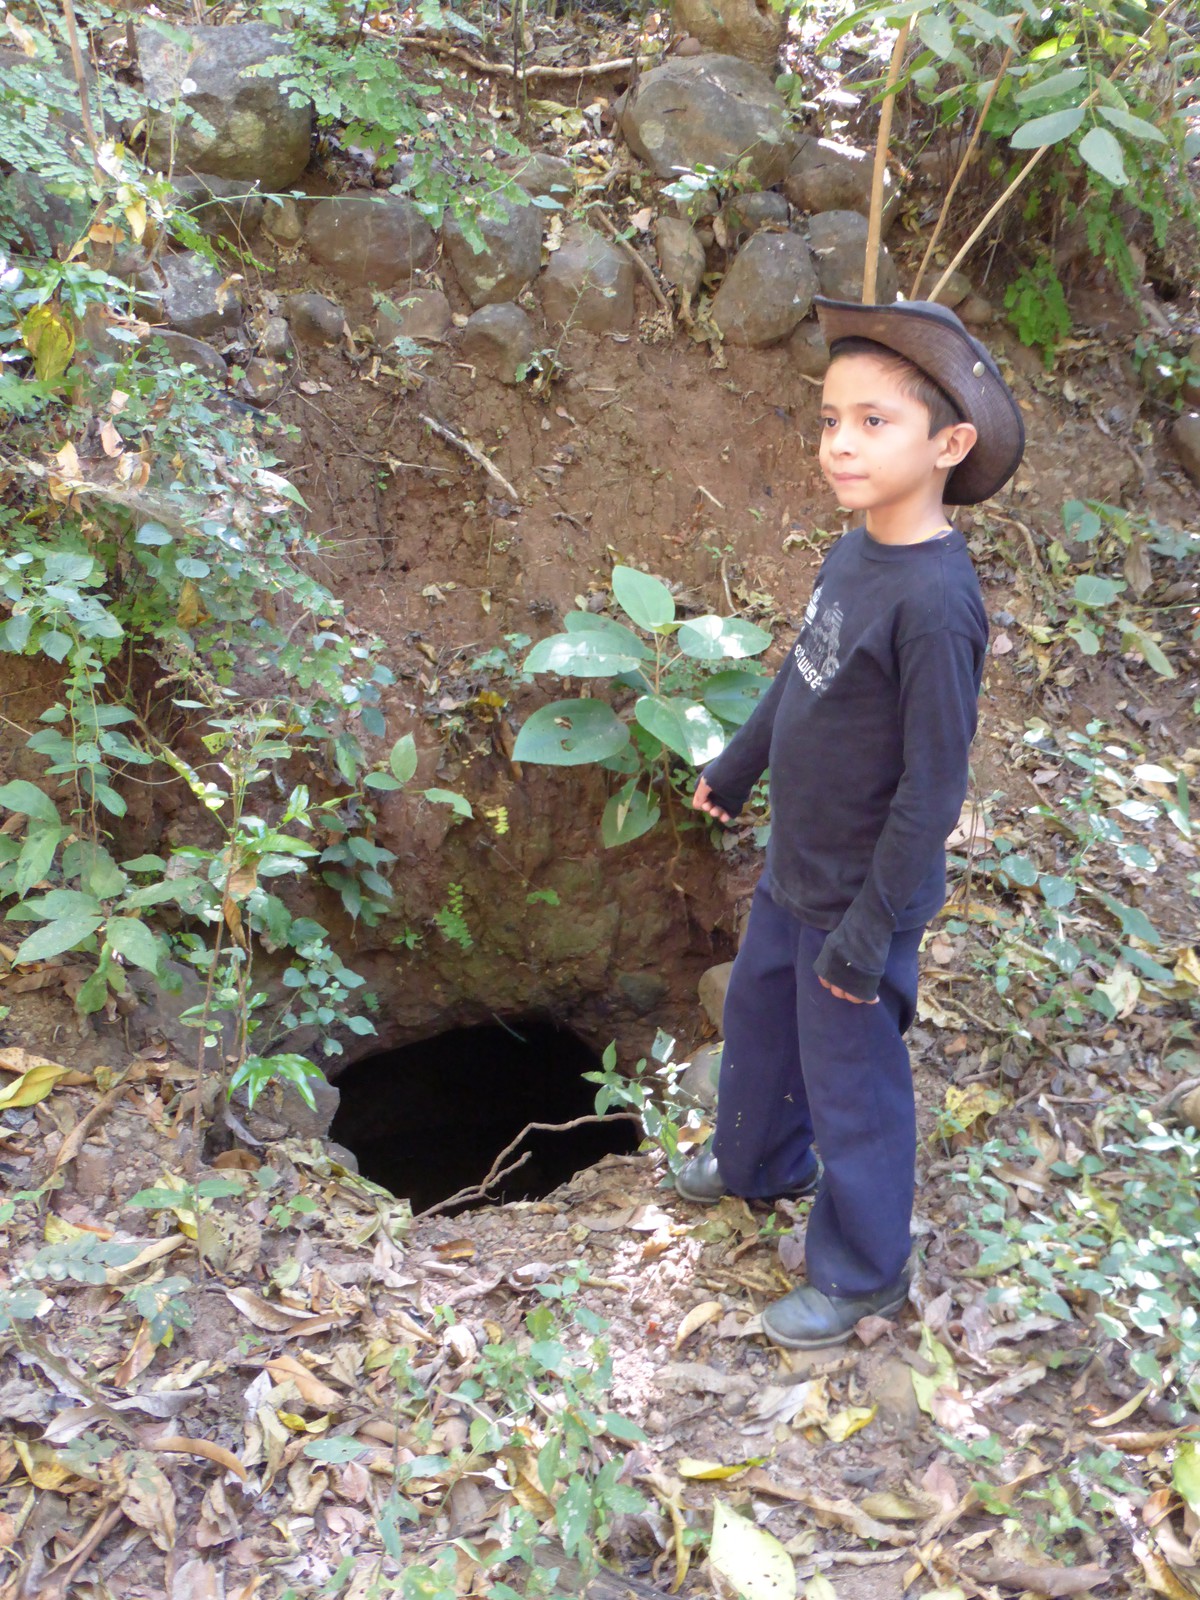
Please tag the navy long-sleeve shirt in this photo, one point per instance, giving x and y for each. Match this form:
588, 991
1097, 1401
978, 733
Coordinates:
866, 730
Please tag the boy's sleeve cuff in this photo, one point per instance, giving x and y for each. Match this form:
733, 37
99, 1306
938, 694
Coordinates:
834, 969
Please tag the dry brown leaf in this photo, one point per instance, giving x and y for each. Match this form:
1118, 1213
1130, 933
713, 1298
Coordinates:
176, 1445
286, 1369
149, 1501
456, 1250
219, 1524
1160, 1575
828, 1513
137, 1358
1050, 1580
696, 1319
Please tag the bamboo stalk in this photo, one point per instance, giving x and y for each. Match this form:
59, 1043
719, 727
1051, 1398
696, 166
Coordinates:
875, 215
976, 135
80, 77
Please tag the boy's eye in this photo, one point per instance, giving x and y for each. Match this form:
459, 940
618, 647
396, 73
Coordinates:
871, 421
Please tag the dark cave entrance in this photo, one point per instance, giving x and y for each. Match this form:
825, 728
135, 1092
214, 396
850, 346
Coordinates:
428, 1119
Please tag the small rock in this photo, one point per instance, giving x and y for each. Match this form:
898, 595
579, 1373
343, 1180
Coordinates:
276, 341
700, 1077
94, 1172
195, 298
808, 349
734, 1403
954, 291
680, 255
540, 175
709, 109
314, 319
239, 127
747, 213
262, 382
976, 312
767, 291
891, 1388
370, 239
838, 240
221, 206
1185, 441
511, 254
420, 314
645, 991
184, 350
501, 339
826, 175
711, 989
589, 283
339, 1153
281, 220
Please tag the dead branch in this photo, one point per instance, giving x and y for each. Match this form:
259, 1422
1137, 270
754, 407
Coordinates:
475, 453
500, 69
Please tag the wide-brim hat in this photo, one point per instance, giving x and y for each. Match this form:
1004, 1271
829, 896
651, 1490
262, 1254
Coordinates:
932, 338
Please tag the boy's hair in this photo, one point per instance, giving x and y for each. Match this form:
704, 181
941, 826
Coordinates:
918, 385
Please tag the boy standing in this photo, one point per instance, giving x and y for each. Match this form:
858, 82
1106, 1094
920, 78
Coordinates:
866, 730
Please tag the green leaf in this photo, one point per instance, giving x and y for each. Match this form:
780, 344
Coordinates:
643, 598
59, 903
36, 857
1049, 88
619, 1427
1102, 152
1087, 640
447, 797
153, 533
722, 639
628, 814
936, 33
1065, 954
1093, 591
403, 759
1135, 127
683, 726
1135, 924
751, 1560
1021, 870
581, 655
382, 780
624, 638
733, 695
1047, 130
29, 800
1138, 639
131, 938
68, 933
1057, 892
570, 733
336, 1451
99, 874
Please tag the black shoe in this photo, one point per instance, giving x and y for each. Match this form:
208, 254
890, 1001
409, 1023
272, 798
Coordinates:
701, 1182
806, 1319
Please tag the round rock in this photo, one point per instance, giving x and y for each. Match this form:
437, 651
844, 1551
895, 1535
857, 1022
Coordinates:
747, 213
242, 127
808, 349
221, 206
953, 292
420, 314
314, 319
826, 175
542, 175
714, 982
500, 338
710, 109
370, 239
186, 351
262, 382
276, 341
194, 298
281, 221
680, 254
1185, 441
589, 283
512, 248
976, 312
767, 291
839, 247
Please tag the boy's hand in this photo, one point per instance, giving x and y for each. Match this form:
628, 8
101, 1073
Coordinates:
702, 800
841, 994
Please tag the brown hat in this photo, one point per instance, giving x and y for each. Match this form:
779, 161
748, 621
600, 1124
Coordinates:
932, 338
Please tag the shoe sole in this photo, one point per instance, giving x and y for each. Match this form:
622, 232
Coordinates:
888, 1310
715, 1199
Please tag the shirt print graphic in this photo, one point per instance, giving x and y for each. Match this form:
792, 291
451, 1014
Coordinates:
817, 647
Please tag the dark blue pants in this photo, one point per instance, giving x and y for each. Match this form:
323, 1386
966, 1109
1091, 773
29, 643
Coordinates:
801, 1067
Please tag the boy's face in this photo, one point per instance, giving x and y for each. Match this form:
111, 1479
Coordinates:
876, 452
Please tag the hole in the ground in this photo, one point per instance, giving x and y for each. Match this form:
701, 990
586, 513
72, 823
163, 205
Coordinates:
429, 1119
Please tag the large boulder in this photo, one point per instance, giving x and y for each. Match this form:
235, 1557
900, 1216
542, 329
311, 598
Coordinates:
512, 248
370, 239
499, 338
767, 292
826, 175
243, 127
588, 284
708, 110
753, 30
839, 246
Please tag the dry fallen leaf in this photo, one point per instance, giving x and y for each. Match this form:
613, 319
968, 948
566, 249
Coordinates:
696, 1319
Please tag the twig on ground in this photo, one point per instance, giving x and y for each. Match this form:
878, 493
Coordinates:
72, 1144
497, 1171
475, 453
500, 69
58, 1580
636, 257
1177, 1092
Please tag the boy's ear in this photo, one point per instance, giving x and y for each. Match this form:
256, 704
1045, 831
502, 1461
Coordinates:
957, 443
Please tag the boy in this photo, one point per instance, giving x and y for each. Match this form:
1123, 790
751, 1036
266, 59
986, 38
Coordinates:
866, 730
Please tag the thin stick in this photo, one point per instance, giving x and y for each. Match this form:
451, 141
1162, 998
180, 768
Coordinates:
498, 1171
638, 260
875, 215
81, 82
976, 135
992, 212
499, 69
475, 453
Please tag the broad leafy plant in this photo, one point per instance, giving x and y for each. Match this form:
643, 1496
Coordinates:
675, 703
